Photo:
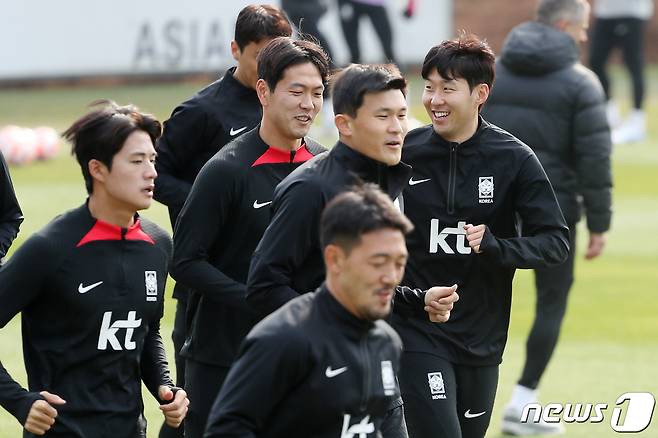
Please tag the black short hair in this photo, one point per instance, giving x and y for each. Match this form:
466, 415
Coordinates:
465, 57
284, 52
351, 84
101, 133
362, 209
258, 22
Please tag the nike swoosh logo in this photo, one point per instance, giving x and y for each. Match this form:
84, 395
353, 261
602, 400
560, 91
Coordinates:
333, 373
468, 414
413, 182
257, 205
236, 131
84, 289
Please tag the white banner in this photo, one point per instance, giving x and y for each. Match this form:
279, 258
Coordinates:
75, 38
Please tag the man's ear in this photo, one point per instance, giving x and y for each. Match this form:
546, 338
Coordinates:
344, 125
481, 94
334, 258
97, 169
561, 25
235, 50
263, 92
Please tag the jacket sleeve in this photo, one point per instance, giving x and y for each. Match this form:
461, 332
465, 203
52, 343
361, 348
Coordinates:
154, 366
182, 135
592, 149
545, 241
21, 281
200, 227
409, 301
11, 215
267, 369
285, 245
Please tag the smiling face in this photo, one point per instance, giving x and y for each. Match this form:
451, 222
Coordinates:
289, 109
452, 106
379, 127
366, 277
129, 185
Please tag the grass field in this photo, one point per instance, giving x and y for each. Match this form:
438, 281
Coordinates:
609, 344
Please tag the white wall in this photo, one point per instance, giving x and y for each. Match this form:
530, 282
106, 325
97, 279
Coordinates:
45, 38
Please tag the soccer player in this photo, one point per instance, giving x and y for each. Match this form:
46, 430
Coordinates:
227, 212
325, 364
551, 102
202, 125
371, 117
89, 287
471, 181
11, 215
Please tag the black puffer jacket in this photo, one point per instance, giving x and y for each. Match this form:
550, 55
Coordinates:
555, 105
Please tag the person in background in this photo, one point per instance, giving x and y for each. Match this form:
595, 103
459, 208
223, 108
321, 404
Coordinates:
621, 24
351, 12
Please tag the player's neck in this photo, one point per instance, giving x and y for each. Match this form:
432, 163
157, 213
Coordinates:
104, 209
240, 77
339, 295
274, 138
465, 133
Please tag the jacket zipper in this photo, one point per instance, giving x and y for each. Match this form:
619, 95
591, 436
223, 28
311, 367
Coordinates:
123, 289
366, 373
452, 179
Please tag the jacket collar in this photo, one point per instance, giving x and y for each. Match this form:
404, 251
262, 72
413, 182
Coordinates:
467, 146
272, 155
391, 179
234, 83
330, 305
100, 230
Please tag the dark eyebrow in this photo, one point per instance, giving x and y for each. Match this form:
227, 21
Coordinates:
143, 154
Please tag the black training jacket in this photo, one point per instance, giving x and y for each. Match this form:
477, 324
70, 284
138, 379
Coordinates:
288, 260
196, 130
551, 102
11, 215
90, 296
490, 179
219, 227
311, 369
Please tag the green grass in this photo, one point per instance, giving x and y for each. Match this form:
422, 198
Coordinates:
609, 343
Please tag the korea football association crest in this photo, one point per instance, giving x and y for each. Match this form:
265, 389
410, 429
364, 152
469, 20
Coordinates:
437, 387
388, 377
151, 283
486, 189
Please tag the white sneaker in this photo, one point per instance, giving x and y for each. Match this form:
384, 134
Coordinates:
633, 129
512, 425
613, 114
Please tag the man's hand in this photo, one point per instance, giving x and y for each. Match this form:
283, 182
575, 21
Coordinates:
474, 234
42, 414
176, 408
439, 301
596, 244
